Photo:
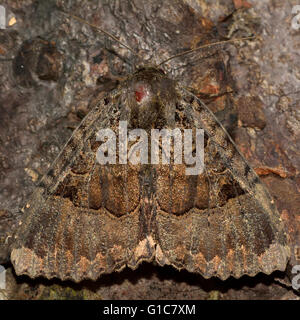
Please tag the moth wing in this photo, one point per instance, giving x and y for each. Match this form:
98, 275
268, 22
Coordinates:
221, 222
83, 219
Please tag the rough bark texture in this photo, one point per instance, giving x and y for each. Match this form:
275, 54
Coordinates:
56, 64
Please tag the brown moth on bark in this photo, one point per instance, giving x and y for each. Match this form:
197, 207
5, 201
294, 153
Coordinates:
86, 219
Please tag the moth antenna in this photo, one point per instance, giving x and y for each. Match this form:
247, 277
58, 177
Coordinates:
101, 30
204, 46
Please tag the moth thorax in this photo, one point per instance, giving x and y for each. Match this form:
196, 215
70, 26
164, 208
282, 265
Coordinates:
142, 92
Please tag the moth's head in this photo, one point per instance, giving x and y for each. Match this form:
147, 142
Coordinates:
144, 82
152, 98
148, 67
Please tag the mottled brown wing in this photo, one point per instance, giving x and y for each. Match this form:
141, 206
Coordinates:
222, 222
86, 219
83, 219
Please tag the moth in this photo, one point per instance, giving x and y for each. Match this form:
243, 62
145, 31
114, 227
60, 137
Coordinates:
86, 219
